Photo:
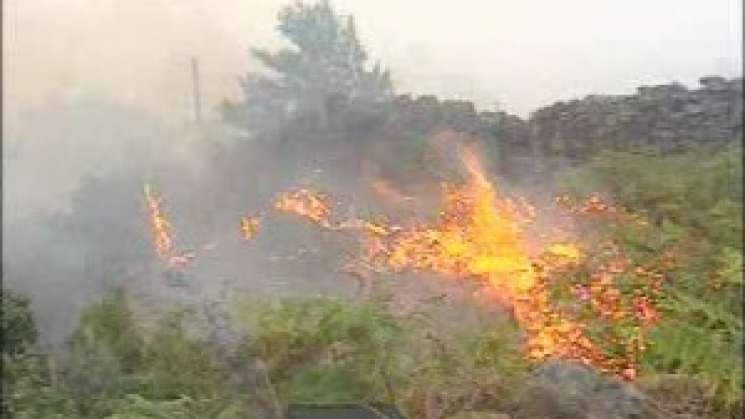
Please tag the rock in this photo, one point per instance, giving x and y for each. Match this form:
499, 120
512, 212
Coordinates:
564, 390
662, 116
710, 112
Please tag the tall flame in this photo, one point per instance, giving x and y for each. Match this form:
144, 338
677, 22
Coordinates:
160, 228
480, 235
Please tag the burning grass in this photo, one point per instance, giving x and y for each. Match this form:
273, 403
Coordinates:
494, 242
594, 308
486, 238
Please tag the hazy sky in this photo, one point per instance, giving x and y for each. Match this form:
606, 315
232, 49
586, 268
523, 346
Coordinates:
521, 54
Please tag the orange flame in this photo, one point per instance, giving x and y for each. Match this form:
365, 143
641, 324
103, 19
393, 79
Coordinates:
485, 237
481, 236
310, 205
159, 226
249, 226
160, 230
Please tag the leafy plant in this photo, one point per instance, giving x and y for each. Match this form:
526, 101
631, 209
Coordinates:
18, 328
328, 350
694, 204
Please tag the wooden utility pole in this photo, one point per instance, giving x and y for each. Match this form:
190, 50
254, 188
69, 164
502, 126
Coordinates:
197, 91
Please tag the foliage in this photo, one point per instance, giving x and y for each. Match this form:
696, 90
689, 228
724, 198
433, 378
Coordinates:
465, 371
114, 359
695, 205
27, 392
136, 406
325, 69
700, 193
326, 350
335, 350
104, 224
317, 350
323, 87
179, 366
18, 328
108, 328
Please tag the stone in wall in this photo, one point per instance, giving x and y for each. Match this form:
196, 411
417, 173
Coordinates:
668, 118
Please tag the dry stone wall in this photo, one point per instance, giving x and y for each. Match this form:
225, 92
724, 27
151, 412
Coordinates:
668, 118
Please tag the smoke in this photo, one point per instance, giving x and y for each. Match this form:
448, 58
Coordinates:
489, 52
98, 101
75, 224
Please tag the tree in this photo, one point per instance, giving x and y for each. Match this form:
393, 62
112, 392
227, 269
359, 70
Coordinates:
27, 391
18, 328
326, 68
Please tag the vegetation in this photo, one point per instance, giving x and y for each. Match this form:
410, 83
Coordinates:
325, 72
336, 351
27, 391
320, 350
332, 350
319, 95
695, 203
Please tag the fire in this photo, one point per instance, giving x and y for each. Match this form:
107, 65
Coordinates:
249, 226
483, 236
566, 251
367, 227
160, 230
307, 204
159, 226
472, 237
490, 239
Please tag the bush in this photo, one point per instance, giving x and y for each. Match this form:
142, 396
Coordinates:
27, 391
18, 327
694, 202
328, 350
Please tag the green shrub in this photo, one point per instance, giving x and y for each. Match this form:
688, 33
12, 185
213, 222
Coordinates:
329, 350
176, 365
26, 382
18, 327
694, 203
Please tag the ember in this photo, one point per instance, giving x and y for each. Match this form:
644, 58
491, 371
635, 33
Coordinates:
249, 226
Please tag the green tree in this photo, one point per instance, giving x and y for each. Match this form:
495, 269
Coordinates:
695, 203
18, 328
326, 68
27, 391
